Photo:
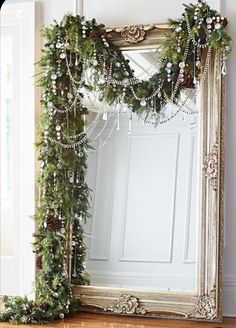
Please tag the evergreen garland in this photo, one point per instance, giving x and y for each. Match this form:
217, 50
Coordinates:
64, 194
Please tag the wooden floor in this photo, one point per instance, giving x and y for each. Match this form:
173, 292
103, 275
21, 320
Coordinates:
94, 321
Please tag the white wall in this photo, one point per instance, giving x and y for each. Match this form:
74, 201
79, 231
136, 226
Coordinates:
113, 12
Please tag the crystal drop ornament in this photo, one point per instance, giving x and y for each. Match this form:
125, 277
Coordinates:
104, 116
224, 69
143, 103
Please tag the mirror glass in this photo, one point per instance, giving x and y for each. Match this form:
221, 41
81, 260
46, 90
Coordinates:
144, 202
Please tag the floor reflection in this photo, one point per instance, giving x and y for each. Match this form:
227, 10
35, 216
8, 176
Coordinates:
110, 321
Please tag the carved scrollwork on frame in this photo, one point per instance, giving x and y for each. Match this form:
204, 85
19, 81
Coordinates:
211, 166
205, 307
126, 304
132, 34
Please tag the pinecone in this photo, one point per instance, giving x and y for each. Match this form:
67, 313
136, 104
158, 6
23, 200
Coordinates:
39, 263
61, 114
94, 34
188, 83
53, 223
77, 193
44, 306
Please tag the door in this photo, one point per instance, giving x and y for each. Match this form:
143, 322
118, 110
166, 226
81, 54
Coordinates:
17, 120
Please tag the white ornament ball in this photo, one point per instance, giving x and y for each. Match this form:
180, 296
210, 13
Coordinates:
209, 20
58, 45
53, 76
62, 55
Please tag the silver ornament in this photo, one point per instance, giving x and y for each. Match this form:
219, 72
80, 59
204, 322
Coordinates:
58, 45
58, 128
125, 81
69, 96
198, 63
62, 55
182, 64
178, 50
169, 65
209, 20
178, 29
53, 76
217, 26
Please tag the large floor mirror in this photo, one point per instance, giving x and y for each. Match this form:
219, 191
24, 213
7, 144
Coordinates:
154, 241
144, 209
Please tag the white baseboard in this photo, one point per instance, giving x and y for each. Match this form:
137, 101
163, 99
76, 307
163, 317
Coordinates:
229, 308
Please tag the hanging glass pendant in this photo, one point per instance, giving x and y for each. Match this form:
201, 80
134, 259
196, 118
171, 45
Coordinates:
224, 68
143, 103
104, 116
118, 121
84, 120
76, 60
130, 124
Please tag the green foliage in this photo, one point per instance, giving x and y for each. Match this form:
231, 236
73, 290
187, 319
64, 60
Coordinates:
64, 194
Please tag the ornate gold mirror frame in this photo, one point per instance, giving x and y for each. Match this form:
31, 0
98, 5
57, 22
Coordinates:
206, 303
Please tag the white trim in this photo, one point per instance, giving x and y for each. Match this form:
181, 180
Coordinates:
230, 281
81, 7
75, 7
78, 7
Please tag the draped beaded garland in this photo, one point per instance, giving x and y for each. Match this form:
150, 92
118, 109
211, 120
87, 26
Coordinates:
81, 68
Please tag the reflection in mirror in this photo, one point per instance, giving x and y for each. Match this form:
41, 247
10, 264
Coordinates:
144, 208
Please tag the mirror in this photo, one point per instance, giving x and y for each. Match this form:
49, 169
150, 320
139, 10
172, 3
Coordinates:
143, 227
154, 241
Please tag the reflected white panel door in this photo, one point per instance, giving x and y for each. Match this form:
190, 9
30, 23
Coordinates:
143, 227
17, 132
